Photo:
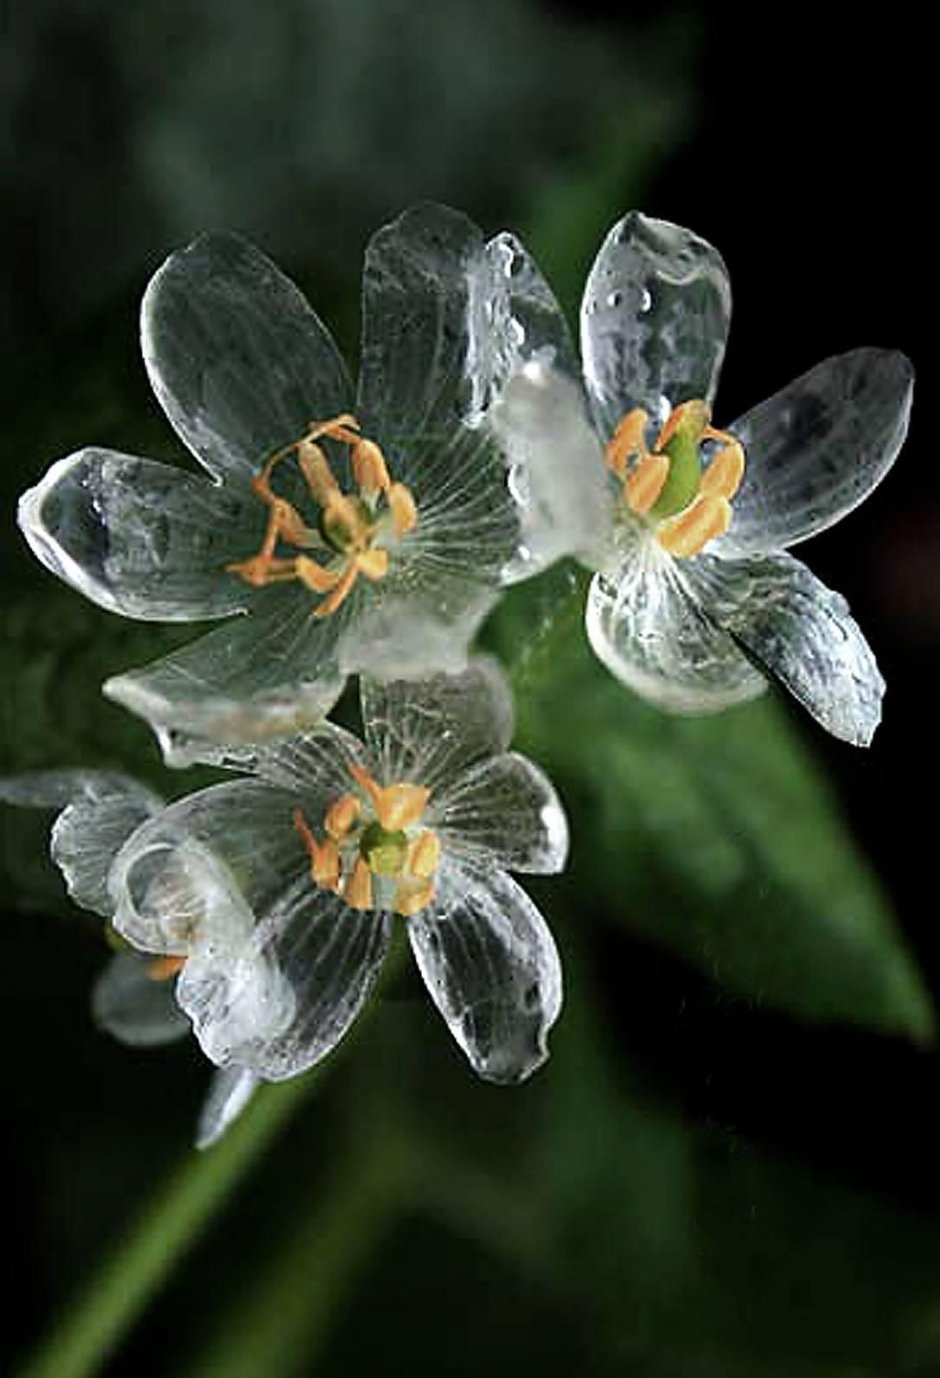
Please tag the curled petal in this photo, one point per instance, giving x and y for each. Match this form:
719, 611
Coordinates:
648, 627
816, 449
490, 965
230, 1091
505, 810
429, 731
139, 538
801, 633
134, 1009
654, 320
239, 361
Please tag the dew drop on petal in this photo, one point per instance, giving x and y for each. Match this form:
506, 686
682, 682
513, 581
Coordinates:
646, 300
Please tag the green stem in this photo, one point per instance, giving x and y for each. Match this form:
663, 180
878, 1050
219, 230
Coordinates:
94, 1325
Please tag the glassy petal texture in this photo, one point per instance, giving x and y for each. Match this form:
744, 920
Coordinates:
266, 675
646, 625
239, 361
314, 765
419, 623
134, 1009
428, 731
800, 632
491, 967
654, 320
817, 448
506, 810
140, 538
230, 1091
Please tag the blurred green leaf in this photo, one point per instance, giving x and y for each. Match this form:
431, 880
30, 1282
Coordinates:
717, 836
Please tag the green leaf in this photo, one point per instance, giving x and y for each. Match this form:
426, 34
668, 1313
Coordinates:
716, 836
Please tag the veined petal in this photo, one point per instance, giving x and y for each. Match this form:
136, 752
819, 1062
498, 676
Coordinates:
817, 448
314, 765
647, 626
134, 1009
430, 731
419, 624
270, 674
230, 1090
654, 320
238, 359
490, 965
505, 812
309, 944
800, 632
140, 538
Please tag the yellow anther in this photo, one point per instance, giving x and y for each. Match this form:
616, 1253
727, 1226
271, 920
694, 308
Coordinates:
396, 806
425, 855
628, 441
369, 469
341, 591
344, 427
324, 856
692, 417
342, 815
373, 563
412, 896
644, 485
690, 531
162, 968
402, 507
723, 476
314, 466
358, 890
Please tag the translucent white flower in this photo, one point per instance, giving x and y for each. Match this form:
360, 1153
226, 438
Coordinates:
134, 998
358, 530
695, 598
280, 890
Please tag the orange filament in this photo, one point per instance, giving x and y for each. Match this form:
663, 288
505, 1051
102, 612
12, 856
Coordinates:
351, 527
162, 968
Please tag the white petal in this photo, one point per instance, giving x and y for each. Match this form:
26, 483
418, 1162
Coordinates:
238, 359
430, 731
557, 474
230, 1090
269, 674
654, 320
314, 765
491, 967
800, 632
507, 810
418, 625
817, 448
140, 538
131, 1007
646, 624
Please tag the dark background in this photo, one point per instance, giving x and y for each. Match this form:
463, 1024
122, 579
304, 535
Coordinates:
801, 146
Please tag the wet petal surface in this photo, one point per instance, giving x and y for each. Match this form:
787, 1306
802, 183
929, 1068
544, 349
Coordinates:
504, 809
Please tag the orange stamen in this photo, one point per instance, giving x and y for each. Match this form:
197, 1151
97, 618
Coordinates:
628, 441
162, 968
645, 483
690, 531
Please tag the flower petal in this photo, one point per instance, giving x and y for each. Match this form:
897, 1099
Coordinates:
420, 624
269, 674
504, 810
490, 965
817, 448
430, 731
800, 632
134, 1009
647, 626
239, 361
140, 538
654, 320
230, 1090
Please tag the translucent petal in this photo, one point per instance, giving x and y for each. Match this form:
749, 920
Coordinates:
817, 448
240, 362
646, 625
654, 320
230, 1090
491, 967
557, 475
420, 624
325, 954
100, 810
506, 811
140, 538
134, 1009
800, 632
431, 731
269, 674
314, 766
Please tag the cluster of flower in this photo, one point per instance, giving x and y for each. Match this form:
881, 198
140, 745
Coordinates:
368, 532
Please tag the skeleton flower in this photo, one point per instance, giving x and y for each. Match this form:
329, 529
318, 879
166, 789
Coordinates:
695, 598
359, 531
133, 999
278, 892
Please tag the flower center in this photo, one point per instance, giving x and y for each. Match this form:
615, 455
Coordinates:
688, 505
352, 530
375, 854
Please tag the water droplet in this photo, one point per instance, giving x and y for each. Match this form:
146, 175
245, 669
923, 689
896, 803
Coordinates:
646, 300
518, 484
615, 298
517, 331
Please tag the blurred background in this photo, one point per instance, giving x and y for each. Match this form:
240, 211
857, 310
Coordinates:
728, 1169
